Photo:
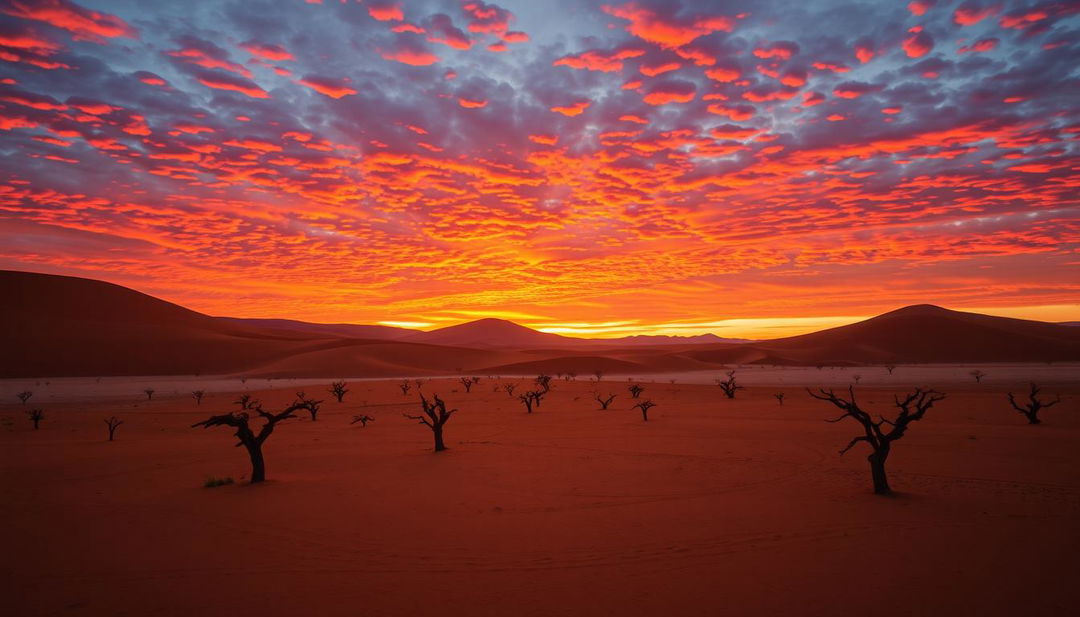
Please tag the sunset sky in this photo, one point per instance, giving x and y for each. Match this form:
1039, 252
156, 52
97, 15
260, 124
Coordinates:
745, 167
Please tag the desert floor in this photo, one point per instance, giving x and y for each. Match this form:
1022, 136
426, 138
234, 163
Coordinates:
713, 507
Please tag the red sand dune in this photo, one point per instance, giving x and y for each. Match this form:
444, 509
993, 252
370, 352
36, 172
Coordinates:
65, 326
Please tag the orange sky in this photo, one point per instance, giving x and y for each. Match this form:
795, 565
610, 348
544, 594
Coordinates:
660, 166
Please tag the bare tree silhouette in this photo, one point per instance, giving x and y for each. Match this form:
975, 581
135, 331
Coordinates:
544, 381
531, 399
780, 398
149, 393
251, 441
435, 416
510, 387
857, 378
362, 419
978, 375
599, 375
312, 406
890, 368
880, 439
1033, 406
24, 396
644, 406
604, 402
36, 415
113, 423
419, 383
338, 389
636, 390
729, 386
467, 383
198, 395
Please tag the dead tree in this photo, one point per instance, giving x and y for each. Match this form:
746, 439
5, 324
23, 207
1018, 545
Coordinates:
604, 402
248, 438
404, 387
531, 399
362, 419
510, 387
339, 390
1032, 407
419, 383
312, 406
435, 416
24, 396
912, 408
197, 395
246, 402
978, 375
890, 368
113, 423
467, 383
780, 398
35, 415
636, 390
728, 385
599, 375
644, 406
857, 378
544, 381
149, 393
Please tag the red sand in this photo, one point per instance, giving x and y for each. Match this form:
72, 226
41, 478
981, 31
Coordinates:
712, 507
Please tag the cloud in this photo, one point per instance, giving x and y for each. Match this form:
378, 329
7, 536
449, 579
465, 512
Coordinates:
84, 24
666, 31
329, 86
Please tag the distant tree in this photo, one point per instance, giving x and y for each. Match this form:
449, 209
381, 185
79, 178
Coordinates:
780, 398
890, 368
599, 374
404, 387
729, 386
149, 393
645, 406
978, 375
312, 406
435, 416
419, 383
467, 383
531, 399
636, 390
246, 402
113, 423
24, 396
338, 389
198, 396
571, 377
475, 379
912, 408
362, 419
1031, 408
604, 402
544, 381
251, 441
36, 416
510, 387
857, 378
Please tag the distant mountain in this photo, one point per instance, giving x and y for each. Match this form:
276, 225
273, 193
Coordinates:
659, 339
497, 333
384, 333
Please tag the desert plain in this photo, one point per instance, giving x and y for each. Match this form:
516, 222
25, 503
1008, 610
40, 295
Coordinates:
714, 506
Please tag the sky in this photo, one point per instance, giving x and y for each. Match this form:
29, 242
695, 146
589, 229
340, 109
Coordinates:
747, 167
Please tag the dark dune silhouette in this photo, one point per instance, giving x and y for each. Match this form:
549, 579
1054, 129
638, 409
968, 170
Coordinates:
66, 326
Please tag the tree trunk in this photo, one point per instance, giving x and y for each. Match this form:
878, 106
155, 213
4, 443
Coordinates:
645, 415
877, 472
1033, 419
439, 445
258, 465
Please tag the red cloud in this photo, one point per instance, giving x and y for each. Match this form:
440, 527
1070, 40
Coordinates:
226, 81
829, 66
634, 119
652, 70
333, 88
920, 7
442, 30
83, 23
414, 55
385, 11
574, 109
515, 37
472, 103
918, 44
647, 25
796, 78
209, 59
274, 53
737, 113
671, 92
968, 14
596, 60
855, 89
407, 27
723, 73
780, 49
547, 140
864, 52
812, 98
150, 78
487, 17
